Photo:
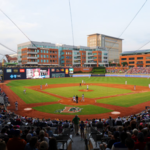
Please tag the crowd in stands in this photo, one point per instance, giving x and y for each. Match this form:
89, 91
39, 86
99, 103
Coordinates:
116, 70
139, 70
26, 133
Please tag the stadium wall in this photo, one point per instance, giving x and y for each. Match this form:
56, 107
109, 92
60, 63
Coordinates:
127, 75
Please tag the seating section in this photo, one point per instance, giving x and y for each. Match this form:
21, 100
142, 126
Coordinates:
116, 70
139, 70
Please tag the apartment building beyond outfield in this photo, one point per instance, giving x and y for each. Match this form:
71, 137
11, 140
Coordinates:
139, 58
44, 53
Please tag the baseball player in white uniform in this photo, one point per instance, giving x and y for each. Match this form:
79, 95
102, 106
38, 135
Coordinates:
24, 91
16, 105
125, 82
134, 87
46, 84
82, 81
41, 87
82, 98
149, 86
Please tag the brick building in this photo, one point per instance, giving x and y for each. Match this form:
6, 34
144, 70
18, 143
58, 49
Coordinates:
42, 53
139, 58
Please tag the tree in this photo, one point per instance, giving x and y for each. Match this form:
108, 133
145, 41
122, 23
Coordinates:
124, 63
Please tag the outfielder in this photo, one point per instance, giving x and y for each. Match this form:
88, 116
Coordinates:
82, 98
87, 87
24, 91
125, 82
134, 87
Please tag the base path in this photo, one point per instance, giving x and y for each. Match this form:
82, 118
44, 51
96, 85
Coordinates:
68, 101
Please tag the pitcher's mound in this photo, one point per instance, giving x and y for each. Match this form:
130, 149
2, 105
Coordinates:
86, 90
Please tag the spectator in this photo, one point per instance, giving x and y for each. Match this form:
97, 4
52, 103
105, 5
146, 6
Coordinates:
147, 147
82, 126
28, 137
3, 145
43, 146
16, 143
32, 145
140, 144
52, 144
49, 132
110, 121
100, 125
42, 137
134, 136
129, 143
120, 145
75, 121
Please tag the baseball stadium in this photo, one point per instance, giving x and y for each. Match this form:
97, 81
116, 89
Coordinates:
74, 75
53, 97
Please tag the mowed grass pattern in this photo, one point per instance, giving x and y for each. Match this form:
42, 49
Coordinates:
127, 100
32, 96
36, 97
86, 109
98, 91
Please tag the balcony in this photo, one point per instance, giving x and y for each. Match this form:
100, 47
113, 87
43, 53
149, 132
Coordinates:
32, 63
29, 57
32, 52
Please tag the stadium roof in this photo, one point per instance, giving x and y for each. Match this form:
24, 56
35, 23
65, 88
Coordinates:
136, 52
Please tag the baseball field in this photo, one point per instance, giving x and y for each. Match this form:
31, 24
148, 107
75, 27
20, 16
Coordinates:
106, 96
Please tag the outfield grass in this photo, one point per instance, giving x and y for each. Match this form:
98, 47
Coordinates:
86, 109
98, 91
32, 96
127, 100
114, 80
35, 97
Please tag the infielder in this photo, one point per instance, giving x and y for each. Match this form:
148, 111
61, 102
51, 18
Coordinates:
149, 86
87, 87
24, 91
41, 87
82, 98
16, 105
125, 82
134, 87
82, 81
46, 84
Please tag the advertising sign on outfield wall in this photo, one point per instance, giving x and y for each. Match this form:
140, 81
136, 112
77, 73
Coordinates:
34, 73
126, 75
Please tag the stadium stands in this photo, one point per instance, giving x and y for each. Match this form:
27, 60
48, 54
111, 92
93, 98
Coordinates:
99, 133
139, 70
116, 70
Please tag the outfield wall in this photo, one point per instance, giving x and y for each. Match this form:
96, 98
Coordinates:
36, 73
128, 75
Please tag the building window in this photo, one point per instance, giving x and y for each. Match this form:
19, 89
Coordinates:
41, 60
147, 61
139, 58
50, 60
47, 61
53, 52
131, 62
123, 58
50, 56
50, 51
131, 58
47, 56
44, 51
66, 53
37, 51
44, 56
53, 60
55, 56
41, 56
38, 60
147, 57
56, 61
47, 51
41, 51
38, 56
44, 60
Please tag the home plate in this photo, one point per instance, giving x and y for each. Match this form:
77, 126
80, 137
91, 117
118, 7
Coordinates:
115, 112
27, 109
